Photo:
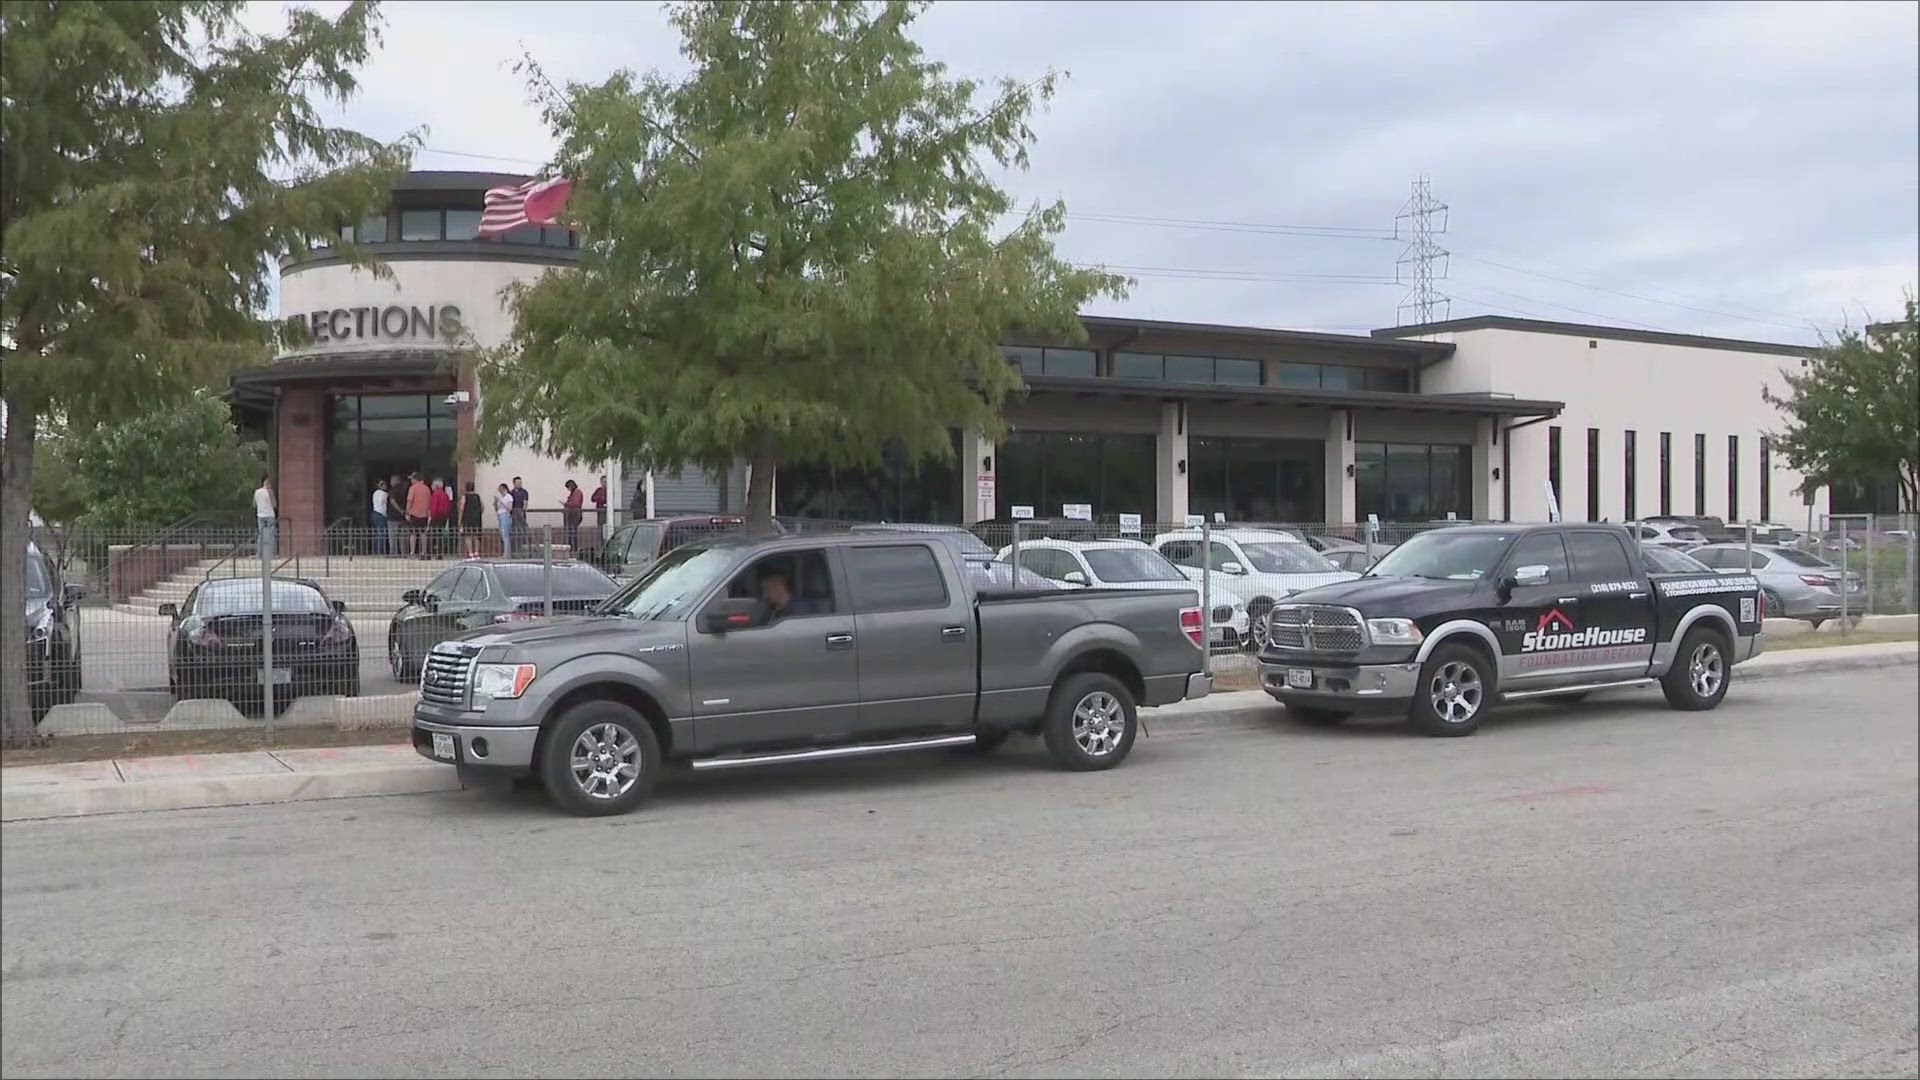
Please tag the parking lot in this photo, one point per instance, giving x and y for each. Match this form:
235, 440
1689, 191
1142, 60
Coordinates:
1605, 889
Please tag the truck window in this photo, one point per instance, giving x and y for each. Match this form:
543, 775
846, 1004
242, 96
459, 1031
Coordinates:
901, 577
803, 575
1542, 549
1599, 556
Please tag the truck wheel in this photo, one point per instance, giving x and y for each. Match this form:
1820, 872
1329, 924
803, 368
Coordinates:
1307, 714
1090, 722
600, 758
1453, 693
1698, 678
1257, 629
403, 669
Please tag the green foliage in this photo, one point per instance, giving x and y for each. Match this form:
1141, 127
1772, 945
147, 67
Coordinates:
1854, 413
795, 253
136, 475
56, 494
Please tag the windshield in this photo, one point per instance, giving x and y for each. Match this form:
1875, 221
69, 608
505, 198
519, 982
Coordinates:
998, 575
1801, 558
1681, 532
1665, 560
1285, 557
243, 598
39, 585
1444, 556
671, 586
571, 582
1131, 564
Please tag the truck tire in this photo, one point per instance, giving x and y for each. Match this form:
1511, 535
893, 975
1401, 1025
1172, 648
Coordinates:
1090, 722
1307, 714
599, 758
1698, 678
1454, 692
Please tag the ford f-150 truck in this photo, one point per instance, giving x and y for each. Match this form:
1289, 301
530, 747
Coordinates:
742, 651
1457, 620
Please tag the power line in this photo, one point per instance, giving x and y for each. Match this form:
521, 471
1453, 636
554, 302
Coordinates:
1637, 296
1243, 275
1562, 307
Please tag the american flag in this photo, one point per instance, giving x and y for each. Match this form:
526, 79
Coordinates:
536, 202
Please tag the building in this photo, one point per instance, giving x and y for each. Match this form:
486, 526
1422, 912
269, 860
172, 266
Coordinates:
1470, 418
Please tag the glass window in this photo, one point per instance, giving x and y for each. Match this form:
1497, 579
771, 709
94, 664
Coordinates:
790, 584
1284, 557
667, 591
242, 597
419, 224
525, 234
1182, 552
38, 581
899, 577
1666, 472
1408, 474
1025, 358
1599, 556
1392, 380
1801, 558
463, 224
1237, 372
1078, 362
1444, 555
1631, 477
556, 236
1412, 481
1766, 477
1128, 365
1665, 560
1699, 476
1733, 478
1196, 369
1335, 377
1553, 464
1130, 564
1542, 549
1306, 376
371, 231
1593, 474
466, 584
570, 582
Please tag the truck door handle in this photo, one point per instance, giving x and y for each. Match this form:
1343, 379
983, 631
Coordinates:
1568, 600
839, 641
953, 631
1637, 596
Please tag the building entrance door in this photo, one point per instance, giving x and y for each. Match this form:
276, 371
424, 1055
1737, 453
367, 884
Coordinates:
375, 436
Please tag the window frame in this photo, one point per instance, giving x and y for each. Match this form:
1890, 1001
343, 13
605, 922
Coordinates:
1514, 561
1581, 576
859, 602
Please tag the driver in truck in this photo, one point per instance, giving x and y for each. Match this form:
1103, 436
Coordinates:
776, 591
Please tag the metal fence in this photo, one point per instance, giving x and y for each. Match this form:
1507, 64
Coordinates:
161, 631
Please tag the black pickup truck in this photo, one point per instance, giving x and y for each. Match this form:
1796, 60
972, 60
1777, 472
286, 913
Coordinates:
1457, 620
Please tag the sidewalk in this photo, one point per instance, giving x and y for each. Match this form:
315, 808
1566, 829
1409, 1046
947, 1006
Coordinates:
271, 776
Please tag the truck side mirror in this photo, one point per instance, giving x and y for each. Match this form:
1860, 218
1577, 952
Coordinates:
732, 614
1231, 567
171, 611
72, 593
340, 606
415, 597
1528, 575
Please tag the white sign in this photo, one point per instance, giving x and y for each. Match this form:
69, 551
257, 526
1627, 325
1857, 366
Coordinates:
1023, 513
1130, 523
1077, 511
1553, 502
1219, 518
1451, 516
1373, 520
1193, 520
984, 498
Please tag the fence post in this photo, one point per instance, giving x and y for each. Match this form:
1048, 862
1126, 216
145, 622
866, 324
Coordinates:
267, 686
546, 566
1206, 597
1843, 573
1911, 523
1749, 529
1013, 555
1871, 523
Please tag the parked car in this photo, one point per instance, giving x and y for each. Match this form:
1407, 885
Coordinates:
1264, 565
1354, 559
1130, 564
53, 649
1671, 534
743, 651
964, 542
991, 576
1711, 529
1455, 621
216, 635
1796, 584
630, 549
999, 530
1662, 559
483, 592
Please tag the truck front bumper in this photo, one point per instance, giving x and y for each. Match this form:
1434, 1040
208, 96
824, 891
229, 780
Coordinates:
1346, 688
475, 747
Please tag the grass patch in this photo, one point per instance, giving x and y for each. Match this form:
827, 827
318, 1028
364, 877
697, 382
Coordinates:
1824, 639
65, 748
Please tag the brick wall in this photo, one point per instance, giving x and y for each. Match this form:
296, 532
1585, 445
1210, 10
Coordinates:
301, 472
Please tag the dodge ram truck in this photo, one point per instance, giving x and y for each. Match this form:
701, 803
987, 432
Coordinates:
1457, 620
741, 651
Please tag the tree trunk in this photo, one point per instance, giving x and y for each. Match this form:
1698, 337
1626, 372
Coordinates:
760, 466
16, 503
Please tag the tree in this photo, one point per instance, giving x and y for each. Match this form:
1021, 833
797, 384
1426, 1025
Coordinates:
793, 253
153, 156
158, 467
1854, 413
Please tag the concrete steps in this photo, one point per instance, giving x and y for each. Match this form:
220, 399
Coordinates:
366, 584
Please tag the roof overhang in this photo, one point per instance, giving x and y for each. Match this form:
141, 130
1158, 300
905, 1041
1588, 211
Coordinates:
1288, 397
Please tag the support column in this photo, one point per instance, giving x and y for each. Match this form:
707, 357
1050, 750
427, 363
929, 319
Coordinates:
1171, 466
300, 471
1484, 490
979, 481
465, 420
1342, 508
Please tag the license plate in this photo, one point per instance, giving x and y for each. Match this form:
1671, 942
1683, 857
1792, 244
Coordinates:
1300, 678
443, 746
282, 676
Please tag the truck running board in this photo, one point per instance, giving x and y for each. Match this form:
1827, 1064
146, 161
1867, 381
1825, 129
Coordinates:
827, 753
1559, 691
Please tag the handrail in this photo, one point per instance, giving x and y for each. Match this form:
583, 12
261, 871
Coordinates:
166, 534
326, 539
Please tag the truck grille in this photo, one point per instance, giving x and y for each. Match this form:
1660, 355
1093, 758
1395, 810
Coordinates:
445, 675
1316, 629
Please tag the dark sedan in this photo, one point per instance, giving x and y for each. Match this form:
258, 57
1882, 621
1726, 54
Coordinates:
481, 592
217, 637
53, 649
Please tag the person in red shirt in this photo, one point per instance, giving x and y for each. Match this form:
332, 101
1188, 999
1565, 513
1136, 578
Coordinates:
419, 508
570, 515
600, 506
440, 514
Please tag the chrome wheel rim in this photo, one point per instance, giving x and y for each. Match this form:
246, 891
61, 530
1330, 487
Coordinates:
1706, 671
1259, 630
605, 761
396, 658
1098, 723
1455, 692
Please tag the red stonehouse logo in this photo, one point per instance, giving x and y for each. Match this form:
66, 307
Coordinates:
1551, 616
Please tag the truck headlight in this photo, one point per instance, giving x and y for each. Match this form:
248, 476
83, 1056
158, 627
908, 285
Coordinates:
39, 631
501, 680
1394, 632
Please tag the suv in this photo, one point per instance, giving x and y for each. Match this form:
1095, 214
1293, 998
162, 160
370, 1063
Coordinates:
53, 650
1263, 565
1130, 564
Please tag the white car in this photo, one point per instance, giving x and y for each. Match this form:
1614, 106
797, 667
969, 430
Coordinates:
1674, 534
1263, 565
1130, 564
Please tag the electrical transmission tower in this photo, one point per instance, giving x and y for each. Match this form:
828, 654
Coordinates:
1423, 262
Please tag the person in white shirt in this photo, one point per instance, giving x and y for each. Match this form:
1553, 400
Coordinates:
264, 515
377, 520
503, 517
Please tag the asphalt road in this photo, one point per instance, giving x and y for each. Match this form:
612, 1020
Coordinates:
1605, 889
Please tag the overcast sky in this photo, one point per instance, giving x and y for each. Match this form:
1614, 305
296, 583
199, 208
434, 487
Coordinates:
1752, 164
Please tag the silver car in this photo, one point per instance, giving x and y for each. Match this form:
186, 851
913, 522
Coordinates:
1796, 584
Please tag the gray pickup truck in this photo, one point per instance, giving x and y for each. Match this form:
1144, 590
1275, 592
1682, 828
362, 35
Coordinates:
741, 651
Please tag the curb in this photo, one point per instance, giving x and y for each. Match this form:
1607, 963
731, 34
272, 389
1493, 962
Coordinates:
82, 800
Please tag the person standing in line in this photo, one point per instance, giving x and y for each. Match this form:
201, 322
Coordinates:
265, 515
570, 515
419, 508
377, 520
520, 511
503, 516
442, 518
396, 511
471, 516
600, 508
